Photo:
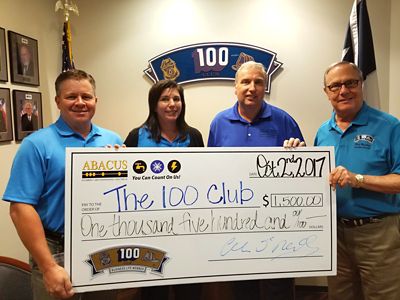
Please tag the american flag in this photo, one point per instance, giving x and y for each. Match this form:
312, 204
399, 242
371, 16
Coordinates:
359, 48
67, 57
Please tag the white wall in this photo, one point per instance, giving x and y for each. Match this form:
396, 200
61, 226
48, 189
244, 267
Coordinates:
113, 40
394, 104
35, 19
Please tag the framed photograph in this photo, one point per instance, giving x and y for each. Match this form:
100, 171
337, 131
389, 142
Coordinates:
24, 60
3, 56
27, 113
6, 133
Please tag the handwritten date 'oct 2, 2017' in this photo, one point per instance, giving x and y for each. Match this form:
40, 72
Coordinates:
289, 167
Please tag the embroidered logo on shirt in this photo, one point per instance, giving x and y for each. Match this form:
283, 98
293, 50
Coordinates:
364, 137
363, 141
268, 132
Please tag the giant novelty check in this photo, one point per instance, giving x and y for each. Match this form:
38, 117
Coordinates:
145, 216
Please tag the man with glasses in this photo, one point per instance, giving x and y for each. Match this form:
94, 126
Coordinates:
367, 152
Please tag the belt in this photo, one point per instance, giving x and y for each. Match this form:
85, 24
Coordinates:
54, 236
360, 221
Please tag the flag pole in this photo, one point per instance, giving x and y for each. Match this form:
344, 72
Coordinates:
68, 7
359, 49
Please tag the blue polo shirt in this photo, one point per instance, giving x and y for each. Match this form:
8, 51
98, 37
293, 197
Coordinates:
145, 140
269, 129
369, 146
38, 171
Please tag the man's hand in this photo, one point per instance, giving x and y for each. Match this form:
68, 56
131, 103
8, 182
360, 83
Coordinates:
293, 143
57, 283
341, 176
116, 146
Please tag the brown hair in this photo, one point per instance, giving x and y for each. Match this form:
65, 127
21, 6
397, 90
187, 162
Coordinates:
76, 75
152, 121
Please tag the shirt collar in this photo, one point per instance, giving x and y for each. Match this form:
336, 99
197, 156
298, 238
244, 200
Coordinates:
64, 130
360, 119
362, 116
264, 113
148, 133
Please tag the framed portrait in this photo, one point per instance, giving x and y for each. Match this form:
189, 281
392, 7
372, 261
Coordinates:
27, 113
24, 59
3, 56
6, 132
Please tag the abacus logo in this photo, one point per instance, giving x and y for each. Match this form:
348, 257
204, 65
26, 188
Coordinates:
104, 169
104, 174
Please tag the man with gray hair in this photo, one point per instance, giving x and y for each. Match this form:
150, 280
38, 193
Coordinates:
251, 122
29, 119
367, 178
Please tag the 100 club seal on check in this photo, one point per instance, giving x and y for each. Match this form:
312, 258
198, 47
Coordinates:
145, 216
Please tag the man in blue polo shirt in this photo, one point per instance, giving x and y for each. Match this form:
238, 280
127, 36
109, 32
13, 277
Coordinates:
251, 122
36, 186
367, 178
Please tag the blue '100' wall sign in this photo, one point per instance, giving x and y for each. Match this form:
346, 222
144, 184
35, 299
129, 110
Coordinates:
209, 61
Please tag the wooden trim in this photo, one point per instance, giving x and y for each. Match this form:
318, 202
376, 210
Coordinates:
15, 262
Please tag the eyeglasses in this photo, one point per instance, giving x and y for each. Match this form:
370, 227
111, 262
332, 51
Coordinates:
349, 84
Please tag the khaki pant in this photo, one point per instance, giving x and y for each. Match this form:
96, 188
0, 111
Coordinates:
39, 290
368, 264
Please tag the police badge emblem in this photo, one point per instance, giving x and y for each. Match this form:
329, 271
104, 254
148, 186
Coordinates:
105, 258
169, 69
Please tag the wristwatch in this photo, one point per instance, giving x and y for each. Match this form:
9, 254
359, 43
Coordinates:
359, 180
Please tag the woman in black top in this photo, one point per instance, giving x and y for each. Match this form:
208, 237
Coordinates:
166, 127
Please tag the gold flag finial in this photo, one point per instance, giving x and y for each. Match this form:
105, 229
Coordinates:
67, 6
